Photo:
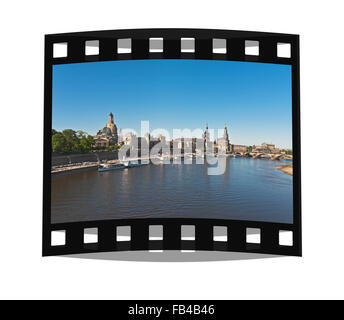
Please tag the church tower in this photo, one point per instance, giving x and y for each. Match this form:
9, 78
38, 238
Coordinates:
110, 118
111, 125
108, 135
226, 138
206, 138
225, 134
206, 134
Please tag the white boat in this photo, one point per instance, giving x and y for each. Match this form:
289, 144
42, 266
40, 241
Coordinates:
124, 165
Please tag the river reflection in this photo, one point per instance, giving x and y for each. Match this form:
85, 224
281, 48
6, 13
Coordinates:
250, 189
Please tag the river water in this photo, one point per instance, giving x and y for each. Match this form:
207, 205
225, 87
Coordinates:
250, 189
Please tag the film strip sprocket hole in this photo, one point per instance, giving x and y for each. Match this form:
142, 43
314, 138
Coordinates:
159, 234
189, 236
158, 47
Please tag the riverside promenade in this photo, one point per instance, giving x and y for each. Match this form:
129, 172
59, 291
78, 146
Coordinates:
77, 167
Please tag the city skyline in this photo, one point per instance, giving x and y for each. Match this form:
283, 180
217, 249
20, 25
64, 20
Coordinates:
252, 99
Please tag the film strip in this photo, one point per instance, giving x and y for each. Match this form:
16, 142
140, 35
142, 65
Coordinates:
202, 234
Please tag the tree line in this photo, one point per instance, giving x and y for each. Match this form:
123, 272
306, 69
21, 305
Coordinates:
70, 141
287, 151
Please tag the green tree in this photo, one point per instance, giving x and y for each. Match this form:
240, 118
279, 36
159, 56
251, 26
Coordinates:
84, 144
287, 151
59, 143
80, 134
90, 141
72, 140
76, 146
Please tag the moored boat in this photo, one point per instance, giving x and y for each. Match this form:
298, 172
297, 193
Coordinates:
110, 167
124, 165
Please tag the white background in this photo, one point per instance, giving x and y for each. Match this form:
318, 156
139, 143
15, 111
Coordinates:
25, 274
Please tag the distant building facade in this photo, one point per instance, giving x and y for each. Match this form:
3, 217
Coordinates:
204, 144
130, 139
266, 148
238, 148
108, 135
187, 145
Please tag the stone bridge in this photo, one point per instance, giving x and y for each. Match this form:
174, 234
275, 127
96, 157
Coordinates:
260, 155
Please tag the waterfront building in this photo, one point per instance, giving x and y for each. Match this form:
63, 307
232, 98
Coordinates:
129, 138
186, 144
108, 135
223, 145
150, 141
161, 138
238, 148
266, 148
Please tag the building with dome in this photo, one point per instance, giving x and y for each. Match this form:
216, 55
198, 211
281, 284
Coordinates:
108, 135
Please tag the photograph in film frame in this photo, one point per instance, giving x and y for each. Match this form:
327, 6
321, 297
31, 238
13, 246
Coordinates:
172, 139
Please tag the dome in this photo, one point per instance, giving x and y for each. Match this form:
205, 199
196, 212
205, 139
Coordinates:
106, 131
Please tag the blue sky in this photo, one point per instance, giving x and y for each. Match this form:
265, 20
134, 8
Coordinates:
253, 99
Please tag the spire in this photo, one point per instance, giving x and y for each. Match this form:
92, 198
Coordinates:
111, 117
225, 133
206, 134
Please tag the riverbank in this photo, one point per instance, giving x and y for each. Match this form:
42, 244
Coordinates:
78, 167
72, 169
288, 169
60, 160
